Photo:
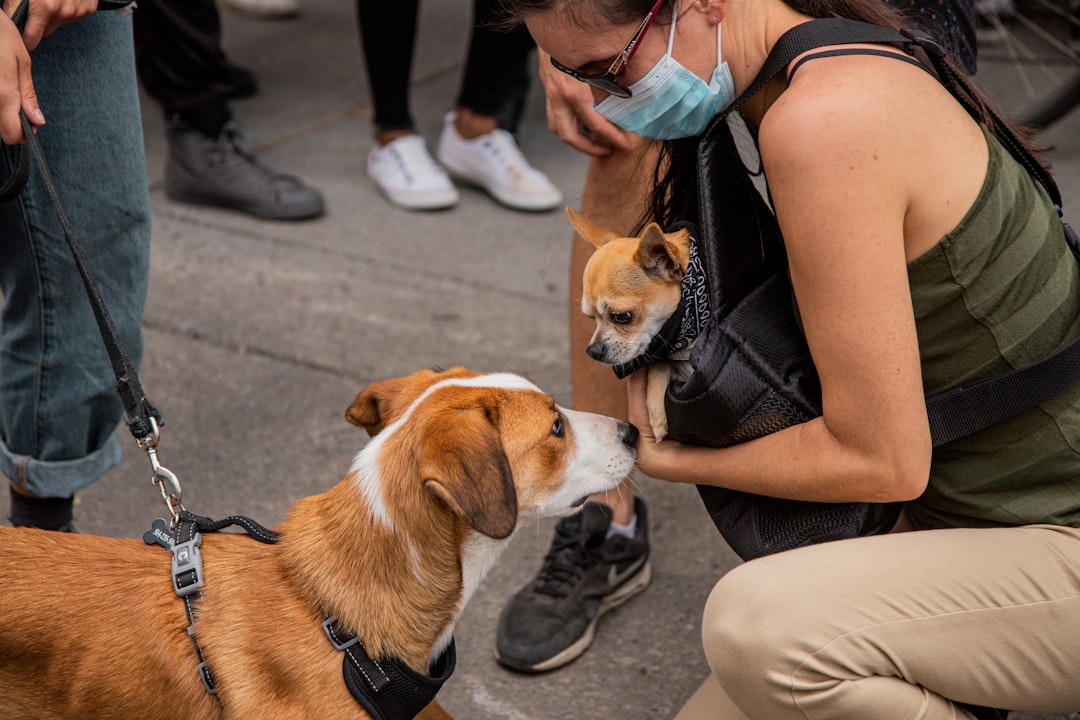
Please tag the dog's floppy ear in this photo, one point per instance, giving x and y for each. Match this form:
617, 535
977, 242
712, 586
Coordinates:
593, 233
657, 255
465, 466
365, 411
383, 401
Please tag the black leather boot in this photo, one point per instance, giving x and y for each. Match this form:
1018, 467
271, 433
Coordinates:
203, 170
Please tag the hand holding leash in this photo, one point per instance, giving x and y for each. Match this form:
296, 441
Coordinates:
16, 83
142, 418
23, 28
45, 16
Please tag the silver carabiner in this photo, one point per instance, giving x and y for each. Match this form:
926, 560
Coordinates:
163, 478
169, 487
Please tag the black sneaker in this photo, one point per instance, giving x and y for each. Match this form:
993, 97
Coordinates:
218, 171
551, 621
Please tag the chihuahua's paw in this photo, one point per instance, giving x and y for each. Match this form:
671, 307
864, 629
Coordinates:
659, 427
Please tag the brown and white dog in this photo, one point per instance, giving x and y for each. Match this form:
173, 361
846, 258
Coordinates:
90, 627
631, 286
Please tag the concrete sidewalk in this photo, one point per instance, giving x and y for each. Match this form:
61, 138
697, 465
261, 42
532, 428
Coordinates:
259, 335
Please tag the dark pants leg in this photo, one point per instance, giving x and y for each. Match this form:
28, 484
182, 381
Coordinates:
496, 68
388, 35
181, 62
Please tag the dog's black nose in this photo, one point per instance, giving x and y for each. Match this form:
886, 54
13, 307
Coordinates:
595, 351
628, 434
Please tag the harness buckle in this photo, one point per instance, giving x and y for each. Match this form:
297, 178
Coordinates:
207, 679
340, 645
187, 568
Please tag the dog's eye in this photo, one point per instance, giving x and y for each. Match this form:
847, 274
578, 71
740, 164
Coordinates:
557, 427
622, 318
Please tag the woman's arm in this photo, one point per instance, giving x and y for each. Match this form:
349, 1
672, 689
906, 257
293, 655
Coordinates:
843, 163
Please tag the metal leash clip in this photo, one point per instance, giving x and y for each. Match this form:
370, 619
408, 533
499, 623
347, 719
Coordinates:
163, 478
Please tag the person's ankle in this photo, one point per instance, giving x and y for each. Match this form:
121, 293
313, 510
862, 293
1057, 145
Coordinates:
470, 125
627, 530
385, 137
620, 501
29, 510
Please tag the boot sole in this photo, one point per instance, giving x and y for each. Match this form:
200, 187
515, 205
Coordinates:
263, 212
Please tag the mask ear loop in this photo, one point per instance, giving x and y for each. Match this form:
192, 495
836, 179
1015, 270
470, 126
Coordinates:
719, 58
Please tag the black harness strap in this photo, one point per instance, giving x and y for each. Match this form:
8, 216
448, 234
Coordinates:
187, 581
187, 571
857, 51
963, 410
388, 690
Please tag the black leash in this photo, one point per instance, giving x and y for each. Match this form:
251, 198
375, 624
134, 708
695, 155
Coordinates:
140, 414
388, 691
143, 419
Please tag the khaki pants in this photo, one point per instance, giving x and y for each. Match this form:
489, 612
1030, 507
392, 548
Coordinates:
895, 627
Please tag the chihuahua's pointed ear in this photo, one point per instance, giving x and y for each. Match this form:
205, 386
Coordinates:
464, 465
590, 231
657, 256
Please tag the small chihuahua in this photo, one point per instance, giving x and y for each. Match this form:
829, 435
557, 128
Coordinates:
632, 287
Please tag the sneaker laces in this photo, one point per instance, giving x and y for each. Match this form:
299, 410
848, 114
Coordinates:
408, 160
499, 146
565, 563
228, 150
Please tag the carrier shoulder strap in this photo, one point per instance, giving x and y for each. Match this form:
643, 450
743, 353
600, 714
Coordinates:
966, 409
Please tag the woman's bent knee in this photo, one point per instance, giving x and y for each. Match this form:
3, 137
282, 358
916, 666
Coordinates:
761, 622
744, 639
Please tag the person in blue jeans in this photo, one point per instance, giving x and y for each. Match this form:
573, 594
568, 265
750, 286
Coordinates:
58, 406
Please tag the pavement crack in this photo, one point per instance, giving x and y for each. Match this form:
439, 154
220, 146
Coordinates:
360, 258
239, 348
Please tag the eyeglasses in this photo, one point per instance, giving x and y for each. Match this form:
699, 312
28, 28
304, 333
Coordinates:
606, 81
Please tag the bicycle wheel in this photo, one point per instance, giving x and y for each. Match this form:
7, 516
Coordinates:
1029, 56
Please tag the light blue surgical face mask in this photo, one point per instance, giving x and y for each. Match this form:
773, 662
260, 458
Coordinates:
671, 102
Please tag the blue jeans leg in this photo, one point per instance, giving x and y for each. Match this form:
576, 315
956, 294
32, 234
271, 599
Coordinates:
58, 405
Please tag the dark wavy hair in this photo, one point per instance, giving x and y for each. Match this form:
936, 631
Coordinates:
674, 195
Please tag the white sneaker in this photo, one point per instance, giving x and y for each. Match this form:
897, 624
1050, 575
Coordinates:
406, 173
264, 9
494, 162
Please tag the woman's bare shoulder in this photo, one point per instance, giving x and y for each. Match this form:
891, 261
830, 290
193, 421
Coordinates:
847, 107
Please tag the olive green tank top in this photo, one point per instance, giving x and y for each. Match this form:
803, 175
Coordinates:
1000, 292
